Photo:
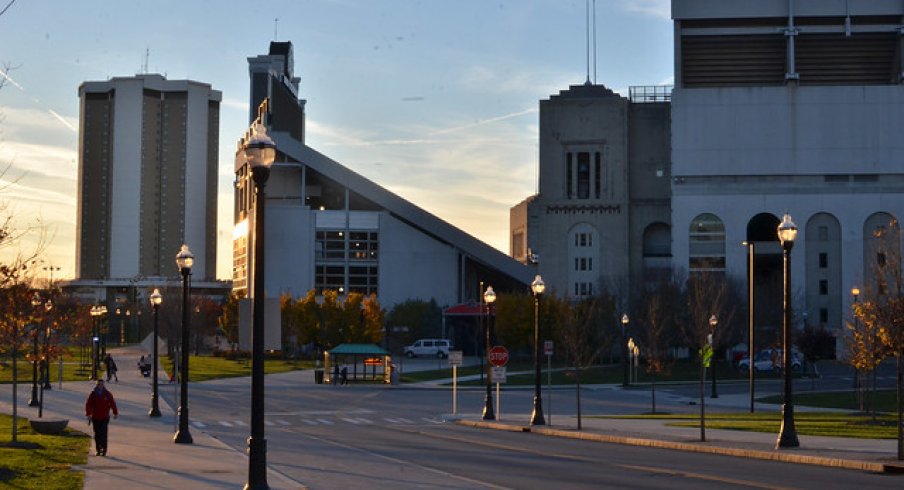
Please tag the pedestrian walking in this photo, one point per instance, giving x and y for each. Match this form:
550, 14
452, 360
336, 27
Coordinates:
344, 375
110, 365
97, 409
335, 379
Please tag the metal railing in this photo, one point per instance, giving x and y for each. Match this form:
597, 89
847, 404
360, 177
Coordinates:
641, 94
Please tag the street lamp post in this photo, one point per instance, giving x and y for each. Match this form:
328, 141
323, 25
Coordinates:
705, 358
489, 297
750, 320
45, 360
35, 302
95, 313
48, 305
624, 337
260, 152
538, 287
156, 299
787, 436
184, 259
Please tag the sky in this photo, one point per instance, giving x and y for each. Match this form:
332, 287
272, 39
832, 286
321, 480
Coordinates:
436, 101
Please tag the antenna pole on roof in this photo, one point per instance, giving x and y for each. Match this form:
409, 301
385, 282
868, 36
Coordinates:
594, 41
587, 39
275, 28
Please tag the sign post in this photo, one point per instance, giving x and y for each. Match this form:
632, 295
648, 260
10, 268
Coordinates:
455, 357
548, 348
498, 357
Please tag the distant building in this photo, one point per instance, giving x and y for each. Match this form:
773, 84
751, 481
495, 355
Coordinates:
330, 228
778, 106
147, 183
602, 218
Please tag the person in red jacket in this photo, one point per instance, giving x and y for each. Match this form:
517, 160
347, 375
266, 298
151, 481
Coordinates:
97, 409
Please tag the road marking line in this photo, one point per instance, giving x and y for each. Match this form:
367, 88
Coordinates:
199, 425
225, 424
364, 421
701, 476
325, 421
282, 422
391, 421
309, 422
351, 421
240, 423
267, 422
405, 421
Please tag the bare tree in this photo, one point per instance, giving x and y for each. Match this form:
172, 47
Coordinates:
582, 332
656, 325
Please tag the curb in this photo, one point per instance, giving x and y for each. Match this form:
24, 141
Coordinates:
848, 464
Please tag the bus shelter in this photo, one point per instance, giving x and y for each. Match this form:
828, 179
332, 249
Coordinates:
362, 362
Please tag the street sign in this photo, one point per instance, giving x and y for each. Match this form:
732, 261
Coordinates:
498, 375
547, 347
455, 358
498, 356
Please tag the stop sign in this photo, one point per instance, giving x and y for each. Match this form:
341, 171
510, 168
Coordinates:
498, 356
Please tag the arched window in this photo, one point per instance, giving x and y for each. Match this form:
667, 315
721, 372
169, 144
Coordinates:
706, 247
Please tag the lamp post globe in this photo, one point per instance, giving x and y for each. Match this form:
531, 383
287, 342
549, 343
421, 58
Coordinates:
260, 153
538, 287
156, 300
787, 436
489, 297
184, 260
713, 321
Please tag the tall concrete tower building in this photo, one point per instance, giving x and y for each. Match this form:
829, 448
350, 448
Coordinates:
147, 177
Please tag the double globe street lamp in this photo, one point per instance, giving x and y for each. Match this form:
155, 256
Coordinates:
184, 259
260, 152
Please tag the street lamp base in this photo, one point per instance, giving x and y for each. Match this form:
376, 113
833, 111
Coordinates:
536, 417
154, 412
787, 435
488, 412
183, 437
33, 402
257, 464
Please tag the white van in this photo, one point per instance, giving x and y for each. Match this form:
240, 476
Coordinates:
429, 347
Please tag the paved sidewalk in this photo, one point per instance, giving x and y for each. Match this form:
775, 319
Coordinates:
142, 454
875, 455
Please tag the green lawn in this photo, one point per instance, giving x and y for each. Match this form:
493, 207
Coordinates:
845, 400
806, 423
48, 464
72, 370
203, 368
606, 374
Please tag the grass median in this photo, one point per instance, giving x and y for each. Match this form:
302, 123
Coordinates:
204, 368
807, 423
41, 461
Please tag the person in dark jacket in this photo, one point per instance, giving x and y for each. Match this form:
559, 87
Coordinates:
97, 409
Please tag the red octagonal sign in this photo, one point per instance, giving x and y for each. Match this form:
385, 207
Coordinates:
498, 356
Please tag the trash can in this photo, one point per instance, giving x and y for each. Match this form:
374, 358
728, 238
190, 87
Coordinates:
318, 376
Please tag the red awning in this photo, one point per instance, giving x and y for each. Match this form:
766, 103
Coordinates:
464, 309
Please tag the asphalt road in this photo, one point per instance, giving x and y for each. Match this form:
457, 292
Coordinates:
363, 436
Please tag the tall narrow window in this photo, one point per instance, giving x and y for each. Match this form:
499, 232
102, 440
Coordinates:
823, 260
596, 174
583, 175
568, 175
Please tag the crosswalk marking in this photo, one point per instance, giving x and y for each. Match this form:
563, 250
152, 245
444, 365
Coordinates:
309, 422
224, 423
282, 422
268, 423
351, 421
325, 421
240, 423
405, 421
199, 425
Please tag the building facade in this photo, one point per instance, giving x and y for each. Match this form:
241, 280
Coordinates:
147, 183
778, 106
787, 106
330, 228
601, 219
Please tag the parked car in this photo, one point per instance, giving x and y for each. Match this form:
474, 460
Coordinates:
429, 347
770, 360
